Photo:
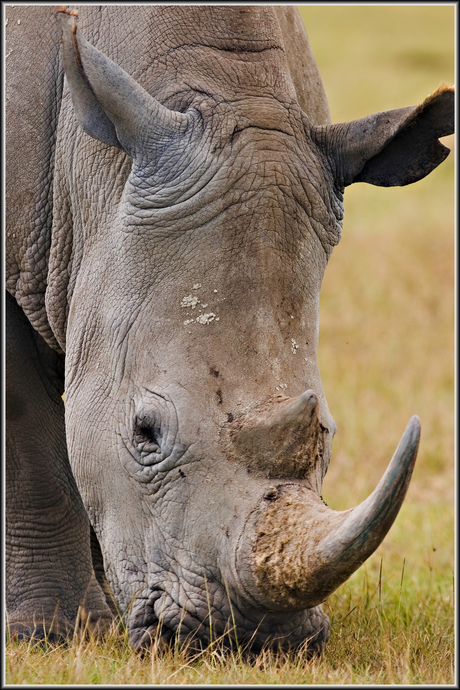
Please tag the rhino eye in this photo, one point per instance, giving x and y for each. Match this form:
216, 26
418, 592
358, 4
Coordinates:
147, 437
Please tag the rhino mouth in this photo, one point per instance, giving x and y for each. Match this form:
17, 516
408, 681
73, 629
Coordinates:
157, 621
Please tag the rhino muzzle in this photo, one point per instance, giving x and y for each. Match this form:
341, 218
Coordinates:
294, 551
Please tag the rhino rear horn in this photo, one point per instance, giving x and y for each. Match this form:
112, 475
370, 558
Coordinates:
391, 148
109, 104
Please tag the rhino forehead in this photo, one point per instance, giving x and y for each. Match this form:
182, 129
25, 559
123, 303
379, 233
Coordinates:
208, 50
257, 177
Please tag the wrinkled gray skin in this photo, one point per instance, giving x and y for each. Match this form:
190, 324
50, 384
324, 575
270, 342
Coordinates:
174, 254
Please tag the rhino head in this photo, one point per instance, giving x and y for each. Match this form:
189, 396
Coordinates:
197, 426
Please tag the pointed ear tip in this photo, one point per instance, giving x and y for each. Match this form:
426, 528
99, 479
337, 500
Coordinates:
68, 18
443, 90
62, 9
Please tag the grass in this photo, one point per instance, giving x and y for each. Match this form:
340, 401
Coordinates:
386, 352
382, 634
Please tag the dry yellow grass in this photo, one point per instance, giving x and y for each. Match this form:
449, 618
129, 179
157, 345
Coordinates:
375, 641
386, 352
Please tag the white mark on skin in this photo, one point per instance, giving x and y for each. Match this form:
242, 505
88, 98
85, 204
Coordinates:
294, 346
189, 301
206, 318
19, 21
292, 317
6, 23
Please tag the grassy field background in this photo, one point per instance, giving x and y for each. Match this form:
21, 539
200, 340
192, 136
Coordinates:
386, 352
386, 347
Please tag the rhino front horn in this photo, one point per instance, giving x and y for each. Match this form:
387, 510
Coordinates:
295, 551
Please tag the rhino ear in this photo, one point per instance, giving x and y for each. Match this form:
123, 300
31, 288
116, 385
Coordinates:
109, 104
391, 148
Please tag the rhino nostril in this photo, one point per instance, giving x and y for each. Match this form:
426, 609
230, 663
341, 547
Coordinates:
271, 493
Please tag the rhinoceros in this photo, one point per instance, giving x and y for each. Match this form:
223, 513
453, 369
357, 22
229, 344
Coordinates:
172, 204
